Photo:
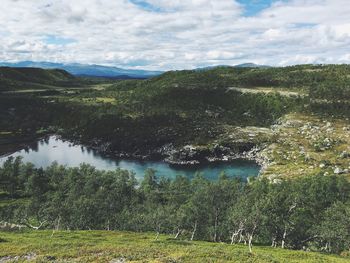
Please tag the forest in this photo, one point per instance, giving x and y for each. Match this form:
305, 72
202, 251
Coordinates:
310, 213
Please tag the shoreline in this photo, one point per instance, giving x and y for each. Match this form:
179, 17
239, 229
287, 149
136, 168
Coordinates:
168, 155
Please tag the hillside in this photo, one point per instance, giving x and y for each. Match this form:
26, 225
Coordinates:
88, 70
319, 81
282, 118
191, 107
179, 108
104, 246
34, 78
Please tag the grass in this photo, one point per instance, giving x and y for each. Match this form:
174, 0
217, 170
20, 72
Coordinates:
103, 246
99, 100
5, 133
267, 90
307, 145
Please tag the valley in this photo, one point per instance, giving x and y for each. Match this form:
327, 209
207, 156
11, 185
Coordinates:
178, 155
181, 117
175, 131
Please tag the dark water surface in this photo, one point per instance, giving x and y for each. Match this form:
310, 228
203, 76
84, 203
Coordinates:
44, 152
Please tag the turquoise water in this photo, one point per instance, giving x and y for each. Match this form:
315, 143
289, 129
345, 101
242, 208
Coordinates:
44, 152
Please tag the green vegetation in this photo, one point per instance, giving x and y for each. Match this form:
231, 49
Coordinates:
108, 246
310, 212
179, 108
34, 78
297, 117
199, 108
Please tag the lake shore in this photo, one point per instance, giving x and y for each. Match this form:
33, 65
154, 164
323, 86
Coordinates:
65, 152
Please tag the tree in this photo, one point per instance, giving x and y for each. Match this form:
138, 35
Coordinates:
280, 205
247, 214
335, 228
9, 175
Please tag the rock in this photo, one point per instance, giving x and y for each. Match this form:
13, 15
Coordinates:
338, 170
307, 158
272, 177
344, 154
118, 260
277, 181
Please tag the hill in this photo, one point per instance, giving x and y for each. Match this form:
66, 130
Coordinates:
88, 70
189, 107
34, 78
190, 117
108, 246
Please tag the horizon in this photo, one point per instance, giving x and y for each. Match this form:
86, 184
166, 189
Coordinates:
182, 34
161, 71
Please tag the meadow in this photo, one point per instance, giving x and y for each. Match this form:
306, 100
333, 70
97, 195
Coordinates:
108, 246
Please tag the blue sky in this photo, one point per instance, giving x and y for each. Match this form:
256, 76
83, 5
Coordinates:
252, 7
146, 6
57, 40
176, 34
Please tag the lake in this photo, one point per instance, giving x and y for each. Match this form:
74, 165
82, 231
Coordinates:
46, 151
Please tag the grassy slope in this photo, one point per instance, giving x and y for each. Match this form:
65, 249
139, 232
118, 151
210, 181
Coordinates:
102, 246
307, 145
34, 78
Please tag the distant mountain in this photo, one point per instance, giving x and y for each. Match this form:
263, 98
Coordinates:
87, 70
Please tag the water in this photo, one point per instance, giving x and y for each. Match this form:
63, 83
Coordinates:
44, 152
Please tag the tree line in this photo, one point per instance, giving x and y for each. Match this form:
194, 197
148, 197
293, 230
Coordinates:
307, 213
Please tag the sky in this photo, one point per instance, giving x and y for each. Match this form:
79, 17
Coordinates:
175, 34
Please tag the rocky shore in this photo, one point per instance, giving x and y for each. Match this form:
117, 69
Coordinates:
189, 154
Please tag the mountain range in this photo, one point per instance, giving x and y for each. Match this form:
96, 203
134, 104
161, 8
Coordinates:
103, 71
86, 70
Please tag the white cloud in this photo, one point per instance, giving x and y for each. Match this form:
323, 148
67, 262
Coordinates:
175, 34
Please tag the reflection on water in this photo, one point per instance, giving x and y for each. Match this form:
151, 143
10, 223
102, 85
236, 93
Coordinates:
42, 153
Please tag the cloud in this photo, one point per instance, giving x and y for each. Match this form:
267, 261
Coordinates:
177, 34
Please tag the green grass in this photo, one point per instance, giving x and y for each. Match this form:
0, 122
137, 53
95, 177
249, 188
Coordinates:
103, 246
